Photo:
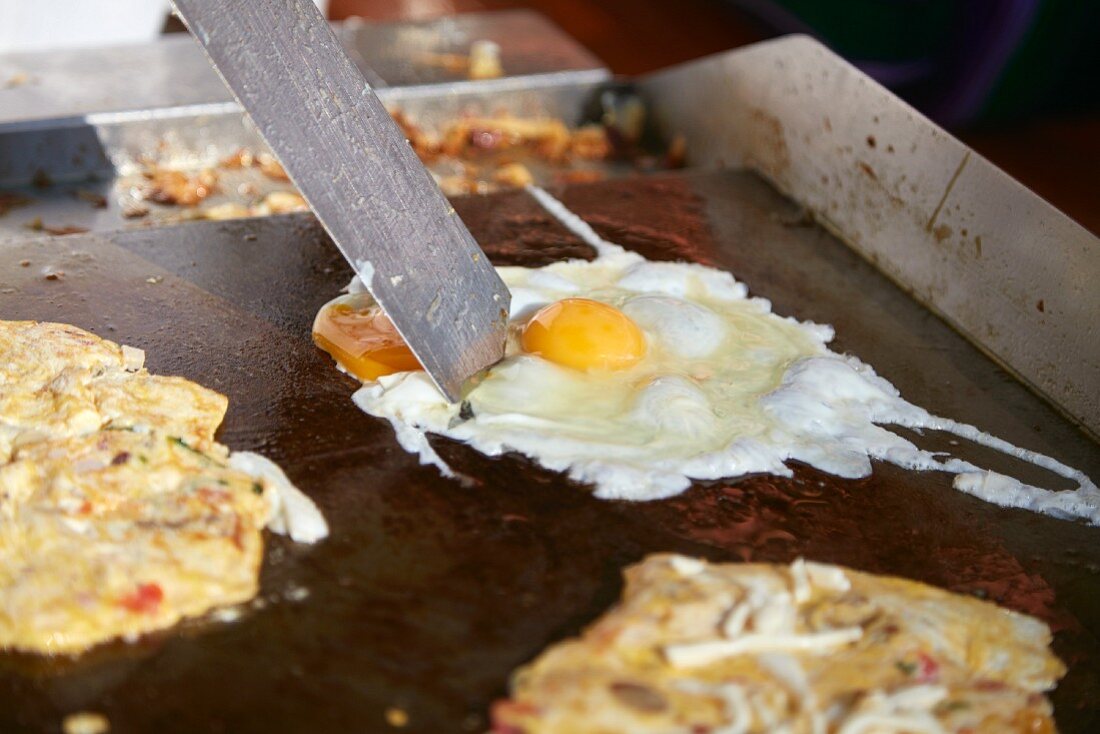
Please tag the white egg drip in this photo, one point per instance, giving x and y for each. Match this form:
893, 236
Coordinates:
290, 511
577, 226
726, 388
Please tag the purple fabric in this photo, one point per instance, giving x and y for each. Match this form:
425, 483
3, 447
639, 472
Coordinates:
950, 84
998, 27
894, 74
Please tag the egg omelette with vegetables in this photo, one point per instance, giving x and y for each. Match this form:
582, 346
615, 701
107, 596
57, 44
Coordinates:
119, 512
806, 649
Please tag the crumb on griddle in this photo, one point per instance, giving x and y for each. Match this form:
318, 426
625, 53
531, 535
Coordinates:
397, 717
590, 143
175, 187
37, 225
484, 60
513, 174
276, 202
228, 210
242, 158
451, 62
271, 168
132, 210
41, 179
85, 722
426, 148
281, 202
245, 158
98, 201
544, 137
64, 229
9, 201
17, 80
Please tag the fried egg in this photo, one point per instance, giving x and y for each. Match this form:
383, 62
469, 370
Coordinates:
638, 377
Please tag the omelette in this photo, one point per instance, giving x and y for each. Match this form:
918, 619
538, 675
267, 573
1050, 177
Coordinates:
807, 648
119, 512
59, 381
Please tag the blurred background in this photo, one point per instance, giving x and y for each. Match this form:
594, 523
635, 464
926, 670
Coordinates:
1018, 80
1015, 79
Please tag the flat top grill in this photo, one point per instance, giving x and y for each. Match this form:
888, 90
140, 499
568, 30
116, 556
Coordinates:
427, 594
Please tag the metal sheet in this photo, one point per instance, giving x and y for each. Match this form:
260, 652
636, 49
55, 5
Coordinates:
428, 594
1004, 267
170, 72
173, 72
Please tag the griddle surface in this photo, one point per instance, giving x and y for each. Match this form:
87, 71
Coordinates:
428, 594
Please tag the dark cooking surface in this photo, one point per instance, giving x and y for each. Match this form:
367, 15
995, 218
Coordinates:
428, 594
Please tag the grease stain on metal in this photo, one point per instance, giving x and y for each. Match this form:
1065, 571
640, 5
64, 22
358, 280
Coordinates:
772, 141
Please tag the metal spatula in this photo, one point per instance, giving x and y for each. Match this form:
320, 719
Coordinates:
361, 178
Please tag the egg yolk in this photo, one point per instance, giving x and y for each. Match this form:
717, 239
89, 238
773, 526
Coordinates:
584, 334
363, 340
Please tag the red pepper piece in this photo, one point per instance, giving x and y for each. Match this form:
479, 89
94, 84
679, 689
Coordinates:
503, 709
928, 670
144, 600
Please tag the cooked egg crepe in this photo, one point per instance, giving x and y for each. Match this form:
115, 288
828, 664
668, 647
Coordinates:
810, 648
119, 513
118, 532
57, 381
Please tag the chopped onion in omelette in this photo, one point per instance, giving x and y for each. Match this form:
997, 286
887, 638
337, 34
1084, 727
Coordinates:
639, 376
119, 513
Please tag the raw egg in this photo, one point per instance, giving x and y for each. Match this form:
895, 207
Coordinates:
584, 334
358, 335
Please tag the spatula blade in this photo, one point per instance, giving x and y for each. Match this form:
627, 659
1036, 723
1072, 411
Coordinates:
361, 178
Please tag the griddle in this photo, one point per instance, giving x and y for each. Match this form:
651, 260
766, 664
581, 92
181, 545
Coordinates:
428, 594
